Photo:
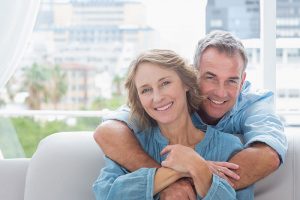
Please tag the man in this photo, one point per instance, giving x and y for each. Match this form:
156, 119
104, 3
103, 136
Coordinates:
228, 106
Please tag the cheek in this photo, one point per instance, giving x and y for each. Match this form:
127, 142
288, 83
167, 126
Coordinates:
144, 101
204, 88
234, 93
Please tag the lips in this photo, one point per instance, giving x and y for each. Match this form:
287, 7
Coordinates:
216, 101
163, 108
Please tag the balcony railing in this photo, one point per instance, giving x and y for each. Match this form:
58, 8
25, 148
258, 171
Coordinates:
290, 118
33, 113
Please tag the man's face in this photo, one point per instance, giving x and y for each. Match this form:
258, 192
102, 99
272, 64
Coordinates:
220, 82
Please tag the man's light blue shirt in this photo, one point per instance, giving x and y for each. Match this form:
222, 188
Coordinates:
253, 117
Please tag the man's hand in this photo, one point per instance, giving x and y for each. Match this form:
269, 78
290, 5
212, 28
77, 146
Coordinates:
182, 189
225, 170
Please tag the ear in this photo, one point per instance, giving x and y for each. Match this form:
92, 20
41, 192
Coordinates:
186, 88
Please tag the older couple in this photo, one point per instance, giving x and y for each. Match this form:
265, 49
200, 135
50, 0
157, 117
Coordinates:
174, 141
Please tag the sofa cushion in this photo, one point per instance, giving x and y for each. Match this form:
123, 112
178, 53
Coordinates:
64, 167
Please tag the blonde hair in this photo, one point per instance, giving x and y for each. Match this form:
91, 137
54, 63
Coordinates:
166, 59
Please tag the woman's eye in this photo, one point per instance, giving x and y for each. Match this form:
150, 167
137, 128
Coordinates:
146, 90
165, 83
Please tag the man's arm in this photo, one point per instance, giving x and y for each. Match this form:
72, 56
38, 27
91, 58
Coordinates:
118, 143
264, 138
255, 163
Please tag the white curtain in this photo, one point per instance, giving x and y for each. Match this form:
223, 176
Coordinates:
17, 19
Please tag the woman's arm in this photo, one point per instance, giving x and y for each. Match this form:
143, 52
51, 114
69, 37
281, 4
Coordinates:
187, 161
165, 177
116, 182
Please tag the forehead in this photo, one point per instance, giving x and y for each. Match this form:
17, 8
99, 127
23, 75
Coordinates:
216, 61
149, 73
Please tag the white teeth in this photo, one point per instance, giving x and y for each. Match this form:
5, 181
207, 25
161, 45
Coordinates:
217, 102
164, 107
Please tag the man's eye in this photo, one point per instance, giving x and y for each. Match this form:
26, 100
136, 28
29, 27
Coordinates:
209, 77
233, 81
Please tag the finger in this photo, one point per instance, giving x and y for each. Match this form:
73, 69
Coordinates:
227, 164
190, 190
213, 169
230, 173
166, 150
193, 193
164, 163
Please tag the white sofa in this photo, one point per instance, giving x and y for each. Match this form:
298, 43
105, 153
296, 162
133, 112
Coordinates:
65, 166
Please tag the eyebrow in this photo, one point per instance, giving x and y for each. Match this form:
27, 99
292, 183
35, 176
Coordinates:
159, 80
231, 78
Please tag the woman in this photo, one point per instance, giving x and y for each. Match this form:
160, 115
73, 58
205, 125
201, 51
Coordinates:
162, 95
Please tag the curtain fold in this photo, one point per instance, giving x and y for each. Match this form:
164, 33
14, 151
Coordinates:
17, 19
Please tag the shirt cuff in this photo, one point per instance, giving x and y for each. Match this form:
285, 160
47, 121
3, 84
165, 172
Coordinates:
279, 148
219, 189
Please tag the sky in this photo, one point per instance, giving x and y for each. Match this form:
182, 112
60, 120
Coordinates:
181, 22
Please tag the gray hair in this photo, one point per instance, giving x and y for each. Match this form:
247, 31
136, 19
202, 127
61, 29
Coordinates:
224, 42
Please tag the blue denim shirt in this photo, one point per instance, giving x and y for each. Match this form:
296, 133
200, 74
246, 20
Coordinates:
115, 182
253, 117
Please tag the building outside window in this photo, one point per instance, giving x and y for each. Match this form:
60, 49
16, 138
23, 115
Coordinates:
80, 52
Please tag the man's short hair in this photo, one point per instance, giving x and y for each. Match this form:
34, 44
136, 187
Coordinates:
223, 41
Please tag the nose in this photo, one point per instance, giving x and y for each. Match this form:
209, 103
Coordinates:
220, 91
157, 97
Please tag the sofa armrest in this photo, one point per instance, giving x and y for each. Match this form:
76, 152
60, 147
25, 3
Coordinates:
12, 178
64, 166
284, 183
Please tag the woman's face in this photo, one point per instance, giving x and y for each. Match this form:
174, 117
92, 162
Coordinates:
161, 92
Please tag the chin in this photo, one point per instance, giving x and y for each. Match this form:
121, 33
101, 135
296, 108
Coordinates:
216, 116
164, 121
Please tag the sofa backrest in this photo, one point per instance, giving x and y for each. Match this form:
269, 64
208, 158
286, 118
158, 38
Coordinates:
65, 166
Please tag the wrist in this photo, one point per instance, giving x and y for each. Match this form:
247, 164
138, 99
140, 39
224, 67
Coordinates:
202, 176
170, 174
164, 177
196, 166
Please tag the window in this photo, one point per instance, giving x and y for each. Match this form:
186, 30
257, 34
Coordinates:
92, 43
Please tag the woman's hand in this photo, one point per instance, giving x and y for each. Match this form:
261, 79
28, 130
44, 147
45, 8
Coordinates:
224, 170
185, 160
180, 158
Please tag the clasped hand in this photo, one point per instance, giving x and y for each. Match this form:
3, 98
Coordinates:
183, 159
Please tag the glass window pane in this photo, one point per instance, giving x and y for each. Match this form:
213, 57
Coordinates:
79, 55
